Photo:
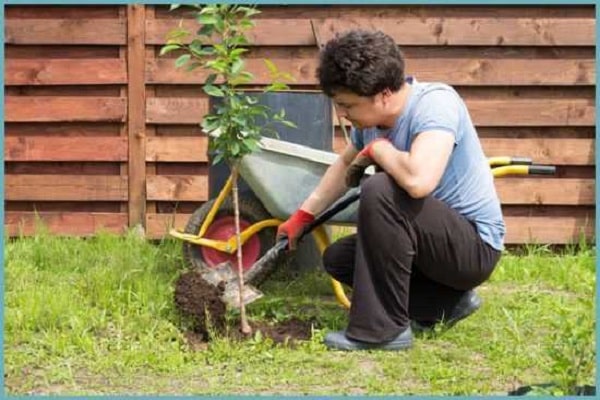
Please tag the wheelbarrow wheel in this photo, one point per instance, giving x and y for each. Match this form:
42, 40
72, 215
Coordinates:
222, 228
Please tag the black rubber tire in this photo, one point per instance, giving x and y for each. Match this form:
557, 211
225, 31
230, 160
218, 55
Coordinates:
252, 211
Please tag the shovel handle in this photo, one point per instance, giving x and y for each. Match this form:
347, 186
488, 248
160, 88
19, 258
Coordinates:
274, 252
333, 210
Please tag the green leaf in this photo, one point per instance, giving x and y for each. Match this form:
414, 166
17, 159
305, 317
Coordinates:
175, 34
220, 24
174, 6
182, 60
249, 11
235, 148
276, 86
205, 30
251, 143
168, 48
206, 19
213, 91
210, 123
287, 76
237, 66
271, 66
217, 65
247, 24
210, 79
217, 158
237, 52
193, 65
289, 124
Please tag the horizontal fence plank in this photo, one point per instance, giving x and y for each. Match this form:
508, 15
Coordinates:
65, 31
410, 31
519, 230
64, 223
557, 230
540, 150
509, 112
177, 188
43, 148
470, 31
511, 191
544, 151
471, 71
100, 71
546, 191
177, 149
399, 11
72, 108
65, 188
532, 112
267, 32
175, 110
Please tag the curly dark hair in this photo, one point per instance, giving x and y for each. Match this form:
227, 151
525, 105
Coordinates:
363, 62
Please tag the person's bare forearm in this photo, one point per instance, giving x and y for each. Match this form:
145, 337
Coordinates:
333, 184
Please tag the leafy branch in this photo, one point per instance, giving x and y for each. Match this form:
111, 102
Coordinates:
237, 122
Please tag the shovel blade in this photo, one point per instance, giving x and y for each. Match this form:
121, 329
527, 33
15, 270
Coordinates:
224, 272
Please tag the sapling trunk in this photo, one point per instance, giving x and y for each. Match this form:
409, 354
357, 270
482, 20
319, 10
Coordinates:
244, 326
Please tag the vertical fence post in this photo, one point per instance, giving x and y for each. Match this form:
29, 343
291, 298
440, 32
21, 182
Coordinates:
136, 116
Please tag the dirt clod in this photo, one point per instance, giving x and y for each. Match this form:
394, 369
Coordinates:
201, 301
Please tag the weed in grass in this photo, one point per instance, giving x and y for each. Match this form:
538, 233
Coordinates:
571, 348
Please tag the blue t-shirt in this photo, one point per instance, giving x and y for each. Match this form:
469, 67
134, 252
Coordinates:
467, 184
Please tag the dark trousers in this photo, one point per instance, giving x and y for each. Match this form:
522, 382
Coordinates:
410, 259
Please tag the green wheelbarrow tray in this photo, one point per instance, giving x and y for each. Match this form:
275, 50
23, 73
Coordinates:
283, 174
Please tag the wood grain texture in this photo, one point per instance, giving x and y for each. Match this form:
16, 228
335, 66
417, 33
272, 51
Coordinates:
177, 188
467, 71
494, 112
434, 31
541, 150
136, 116
64, 223
177, 149
99, 71
65, 187
65, 31
67, 109
546, 191
471, 31
44, 148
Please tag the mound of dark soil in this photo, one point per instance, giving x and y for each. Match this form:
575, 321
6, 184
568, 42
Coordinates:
201, 301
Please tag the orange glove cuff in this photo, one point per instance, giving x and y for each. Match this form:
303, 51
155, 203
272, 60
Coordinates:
292, 228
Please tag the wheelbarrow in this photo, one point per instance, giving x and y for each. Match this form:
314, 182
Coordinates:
281, 175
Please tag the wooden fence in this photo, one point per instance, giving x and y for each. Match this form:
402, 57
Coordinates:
101, 132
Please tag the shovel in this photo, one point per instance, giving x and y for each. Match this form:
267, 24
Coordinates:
226, 272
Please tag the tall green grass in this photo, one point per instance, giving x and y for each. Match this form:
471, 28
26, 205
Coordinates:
96, 315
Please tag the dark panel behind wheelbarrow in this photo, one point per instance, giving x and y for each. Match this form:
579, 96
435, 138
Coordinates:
312, 114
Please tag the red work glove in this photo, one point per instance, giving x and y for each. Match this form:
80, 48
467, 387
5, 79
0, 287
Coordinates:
293, 227
356, 169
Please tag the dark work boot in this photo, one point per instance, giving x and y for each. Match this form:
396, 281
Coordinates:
339, 341
467, 305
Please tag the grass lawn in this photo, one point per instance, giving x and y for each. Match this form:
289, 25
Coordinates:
97, 316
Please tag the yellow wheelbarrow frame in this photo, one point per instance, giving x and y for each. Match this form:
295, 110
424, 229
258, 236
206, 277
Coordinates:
501, 166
